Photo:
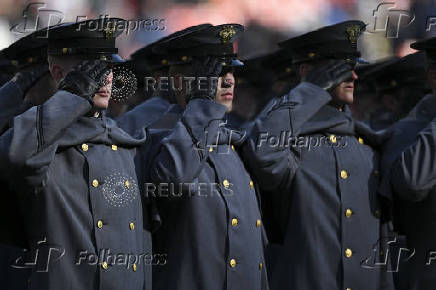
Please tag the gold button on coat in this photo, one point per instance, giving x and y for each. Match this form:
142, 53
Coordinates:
132, 226
361, 140
234, 222
260, 266
258, 223
104, 265
134, 267
95, 183
251, 184
85, 147
378, 213
114, 147
333, 138
233, 148
348, 253
232, 263
344, 174
226, 183
211, 149
99, 224
348, 213
127, 184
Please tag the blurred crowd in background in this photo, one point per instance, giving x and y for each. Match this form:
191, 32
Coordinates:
392, 26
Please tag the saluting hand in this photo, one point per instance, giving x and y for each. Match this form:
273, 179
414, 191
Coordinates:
330, 75
85, 79
209, 68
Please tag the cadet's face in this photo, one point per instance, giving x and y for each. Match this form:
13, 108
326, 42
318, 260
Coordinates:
225, 90
101, 98
344, 92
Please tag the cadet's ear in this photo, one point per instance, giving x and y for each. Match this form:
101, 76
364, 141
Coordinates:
57, 72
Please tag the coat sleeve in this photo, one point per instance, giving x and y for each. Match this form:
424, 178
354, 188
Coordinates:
274, 165
413, 174
11, 98
29, 146
183, 153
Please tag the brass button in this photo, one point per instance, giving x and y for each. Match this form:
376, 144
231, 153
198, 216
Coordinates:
348, 289
378, 213
333, 138
64, 50
95, 183
376, 173
85, 147
211, 149
234, 222
99, 224
361, 140
127, 184
344, 174
348, 253
132, 226
164, 61
260, 266
348, 213
251, 184
114, 147
104, 265
232, 263
134, 267
233, 148
184, 58
226, 183
258, 223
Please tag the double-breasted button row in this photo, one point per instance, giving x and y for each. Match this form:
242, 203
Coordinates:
105, 266
211, 148
85, 147
100, 225
235, 222
226, 184
96, 183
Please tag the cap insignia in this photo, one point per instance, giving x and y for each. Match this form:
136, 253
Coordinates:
353, 32
227, 33
109, 30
